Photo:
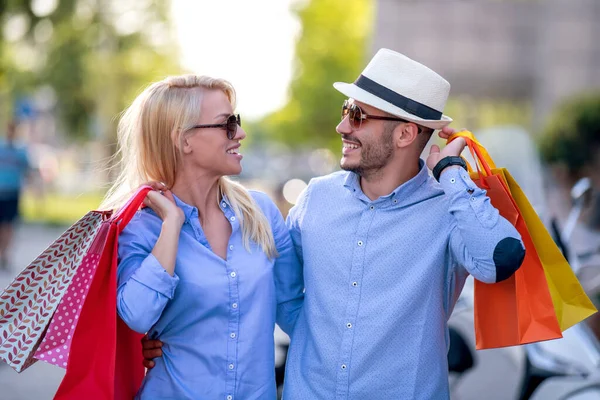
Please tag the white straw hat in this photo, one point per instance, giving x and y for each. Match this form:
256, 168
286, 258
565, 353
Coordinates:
402, 87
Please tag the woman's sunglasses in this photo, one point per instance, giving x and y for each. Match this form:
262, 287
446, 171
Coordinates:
357, 116
231, 125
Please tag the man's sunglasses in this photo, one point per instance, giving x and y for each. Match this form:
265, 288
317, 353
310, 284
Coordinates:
357, 116
231, 125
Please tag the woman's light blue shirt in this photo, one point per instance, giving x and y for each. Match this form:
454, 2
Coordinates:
215, 317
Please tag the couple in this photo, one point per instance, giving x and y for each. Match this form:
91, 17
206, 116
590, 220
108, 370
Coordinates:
363, 276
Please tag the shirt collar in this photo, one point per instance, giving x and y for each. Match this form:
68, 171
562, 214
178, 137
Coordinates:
352, 183
192, 212
188, 210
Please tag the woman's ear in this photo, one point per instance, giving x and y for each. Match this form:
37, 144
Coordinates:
181, 142
185, 145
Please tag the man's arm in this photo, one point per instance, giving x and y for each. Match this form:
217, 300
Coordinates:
481, 240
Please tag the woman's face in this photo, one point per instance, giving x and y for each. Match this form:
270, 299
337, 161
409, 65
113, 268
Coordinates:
209, 148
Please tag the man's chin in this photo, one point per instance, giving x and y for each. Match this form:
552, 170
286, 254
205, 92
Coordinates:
347, 166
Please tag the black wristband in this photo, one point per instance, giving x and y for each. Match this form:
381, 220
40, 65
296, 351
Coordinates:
447, 162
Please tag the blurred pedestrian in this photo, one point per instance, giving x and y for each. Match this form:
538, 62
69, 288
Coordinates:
14, 168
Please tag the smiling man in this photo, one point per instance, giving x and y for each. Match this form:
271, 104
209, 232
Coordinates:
386, 248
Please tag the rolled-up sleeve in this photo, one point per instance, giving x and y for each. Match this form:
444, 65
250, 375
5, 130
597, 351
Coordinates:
144, 286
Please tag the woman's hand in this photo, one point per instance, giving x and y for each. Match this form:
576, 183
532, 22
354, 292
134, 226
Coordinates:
162, 202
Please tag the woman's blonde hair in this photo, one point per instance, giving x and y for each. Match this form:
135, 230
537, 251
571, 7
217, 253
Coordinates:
149, 134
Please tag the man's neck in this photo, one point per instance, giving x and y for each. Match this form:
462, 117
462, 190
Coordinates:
386, 180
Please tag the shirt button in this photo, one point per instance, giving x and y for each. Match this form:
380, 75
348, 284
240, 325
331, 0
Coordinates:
234, 305
372, 208
395, 201
231, 366
343, 366
232, 218
348, 325
452, 180
472, 198
230, 247
360, 243
355, 284
233, 274
232, 335
230, 397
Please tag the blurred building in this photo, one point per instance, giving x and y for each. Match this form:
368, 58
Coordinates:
523, 50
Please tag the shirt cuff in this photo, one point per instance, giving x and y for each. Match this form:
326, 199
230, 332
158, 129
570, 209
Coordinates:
154, 276
457, 180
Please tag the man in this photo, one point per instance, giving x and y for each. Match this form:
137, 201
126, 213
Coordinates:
14, 166
386, 248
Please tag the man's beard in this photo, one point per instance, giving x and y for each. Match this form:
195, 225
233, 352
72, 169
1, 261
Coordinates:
374, 156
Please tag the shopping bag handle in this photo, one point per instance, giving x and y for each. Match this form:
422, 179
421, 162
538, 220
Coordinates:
483, 161
125, 213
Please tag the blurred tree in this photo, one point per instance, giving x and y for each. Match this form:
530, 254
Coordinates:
572, 135
332, 47
92, 56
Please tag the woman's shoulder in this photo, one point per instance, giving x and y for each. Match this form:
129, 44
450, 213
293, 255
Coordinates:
144, 224
264, 202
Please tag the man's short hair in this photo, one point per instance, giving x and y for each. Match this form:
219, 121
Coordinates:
423, 138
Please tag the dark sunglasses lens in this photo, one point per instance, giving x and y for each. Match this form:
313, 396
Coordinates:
232, 124
355, 116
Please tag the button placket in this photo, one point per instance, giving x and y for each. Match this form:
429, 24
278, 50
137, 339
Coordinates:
234, 320
353, 299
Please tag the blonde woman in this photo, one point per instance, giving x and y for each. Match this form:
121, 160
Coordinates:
207, 268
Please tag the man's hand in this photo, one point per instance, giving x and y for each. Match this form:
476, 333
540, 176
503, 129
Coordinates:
452, 149
150, 350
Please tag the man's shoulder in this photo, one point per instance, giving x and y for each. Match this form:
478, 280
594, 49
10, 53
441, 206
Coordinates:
331, 180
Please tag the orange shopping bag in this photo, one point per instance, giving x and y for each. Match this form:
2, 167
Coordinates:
518, 310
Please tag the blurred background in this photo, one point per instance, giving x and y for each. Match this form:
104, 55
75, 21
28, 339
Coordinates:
524, 73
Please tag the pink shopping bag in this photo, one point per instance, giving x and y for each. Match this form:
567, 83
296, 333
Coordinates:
55, 346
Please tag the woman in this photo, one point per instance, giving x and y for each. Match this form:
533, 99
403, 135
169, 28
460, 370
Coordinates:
204, 267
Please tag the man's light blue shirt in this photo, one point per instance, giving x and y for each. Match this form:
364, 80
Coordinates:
215, 317
381, 280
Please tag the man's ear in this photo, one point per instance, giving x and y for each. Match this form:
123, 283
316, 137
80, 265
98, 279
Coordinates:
406, 134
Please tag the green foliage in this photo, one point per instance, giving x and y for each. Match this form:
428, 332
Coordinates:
94, 68
331, 48
572, 136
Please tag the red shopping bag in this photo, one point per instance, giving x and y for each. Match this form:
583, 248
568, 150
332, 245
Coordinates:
105, 357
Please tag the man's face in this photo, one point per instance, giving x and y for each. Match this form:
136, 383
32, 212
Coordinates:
367, 146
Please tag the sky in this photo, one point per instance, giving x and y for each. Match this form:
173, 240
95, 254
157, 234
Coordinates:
248, 42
